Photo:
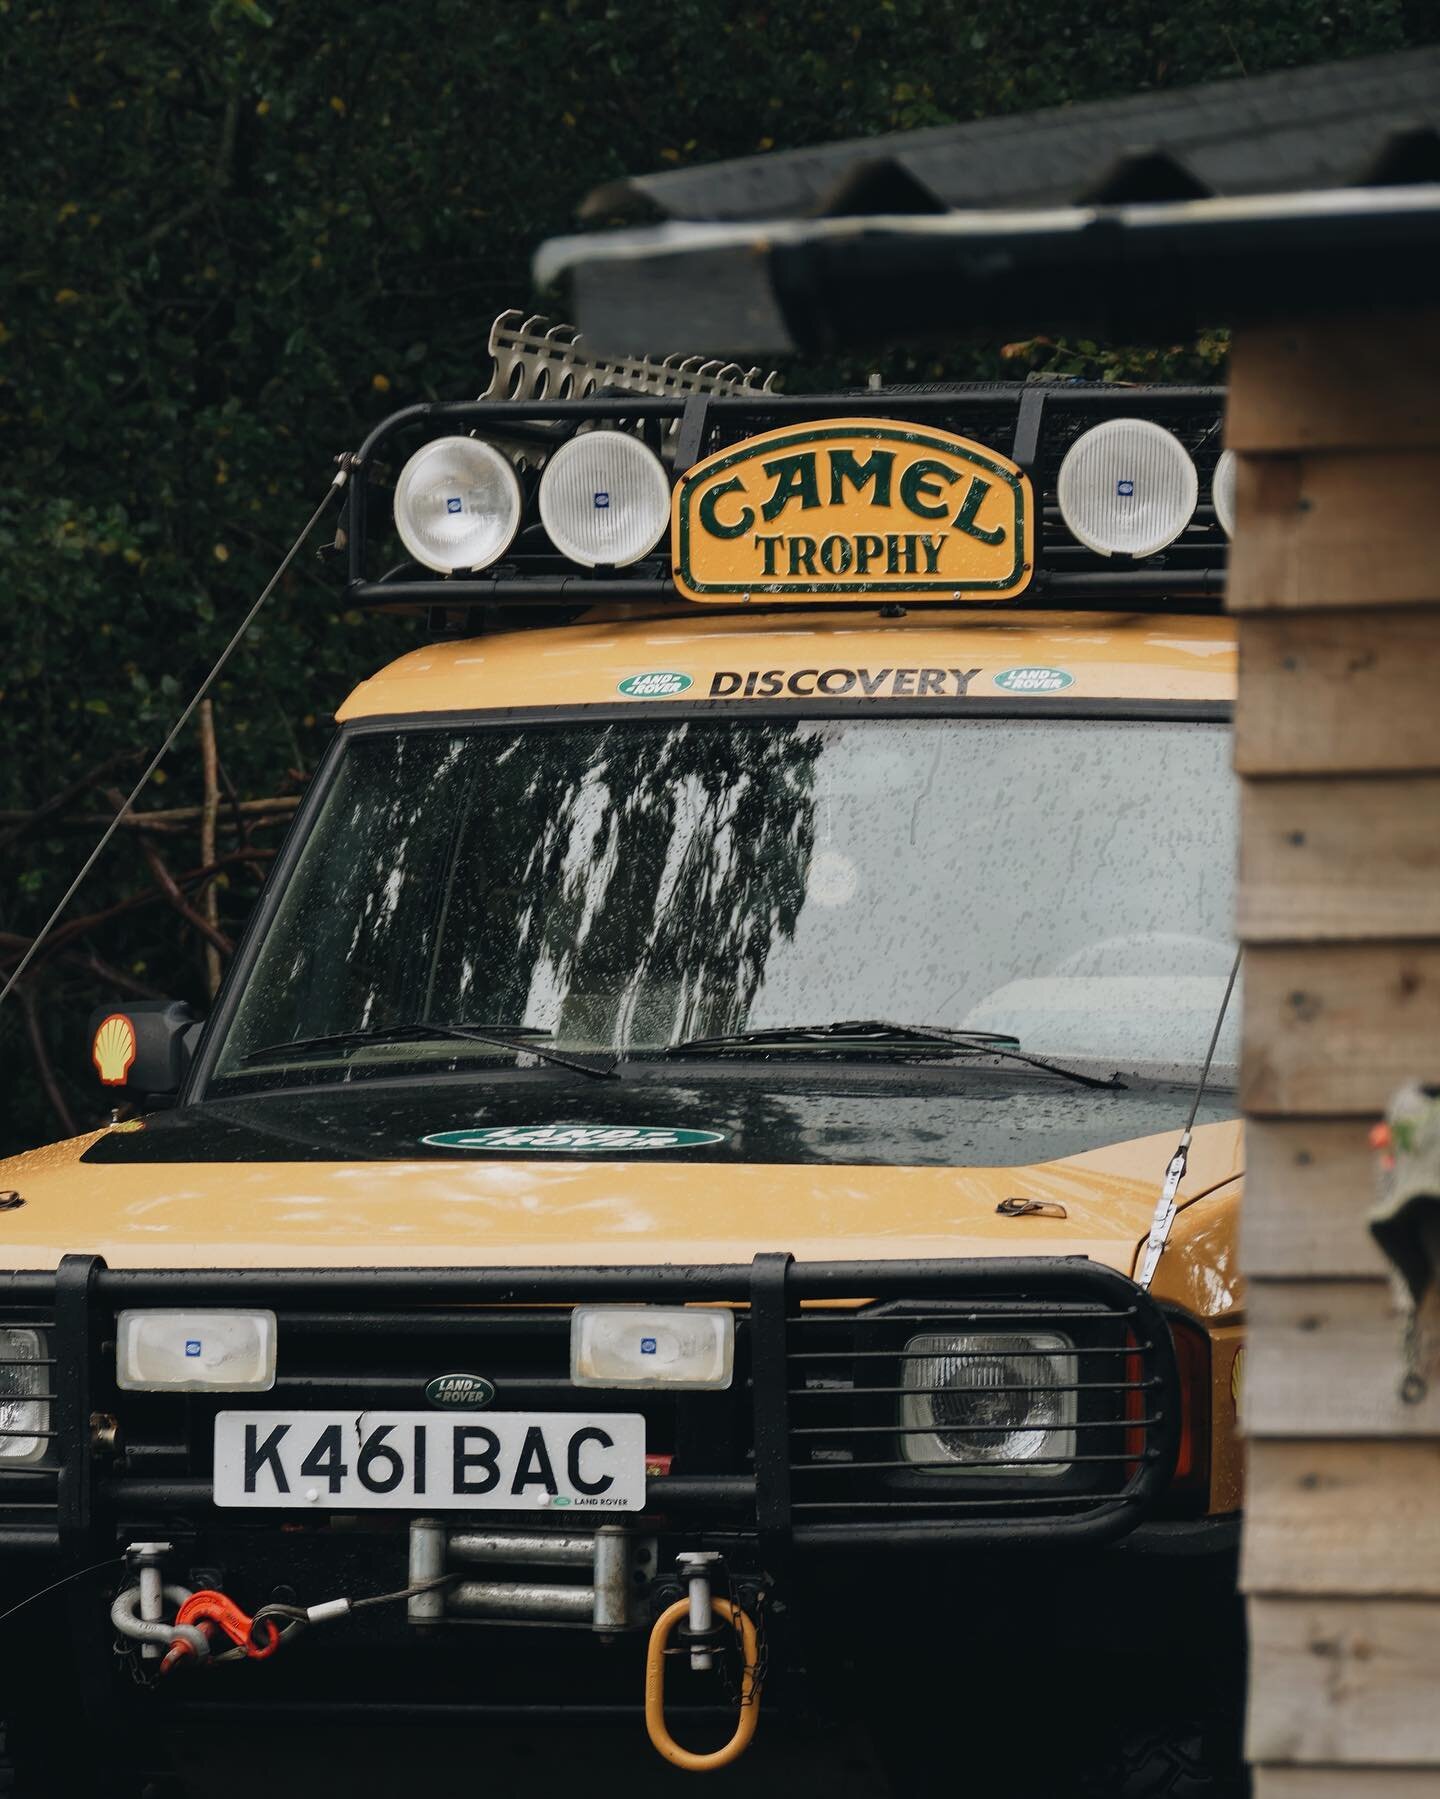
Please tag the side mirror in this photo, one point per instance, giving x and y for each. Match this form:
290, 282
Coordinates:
145, 1047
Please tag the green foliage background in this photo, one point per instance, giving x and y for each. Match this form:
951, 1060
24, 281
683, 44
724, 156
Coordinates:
234, 236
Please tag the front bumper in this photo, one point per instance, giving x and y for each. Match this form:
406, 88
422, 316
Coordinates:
804, 1453
796, 1475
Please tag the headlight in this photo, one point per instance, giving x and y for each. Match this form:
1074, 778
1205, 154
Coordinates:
604, 499
23, 1371
990, 1404
195, 1352
1127, 485
457, 504
651, 1346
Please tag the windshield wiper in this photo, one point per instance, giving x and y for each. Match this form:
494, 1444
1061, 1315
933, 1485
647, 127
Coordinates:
878, 1033
521, 1038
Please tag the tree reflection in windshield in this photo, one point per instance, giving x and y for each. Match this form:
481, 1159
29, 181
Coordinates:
628, 885
612, 884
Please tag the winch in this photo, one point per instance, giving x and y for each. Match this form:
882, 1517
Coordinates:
178, 1627
620, 1563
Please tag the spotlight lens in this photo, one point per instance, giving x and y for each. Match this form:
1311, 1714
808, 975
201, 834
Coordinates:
1222, 492
457, 504
1127, 486
604, 499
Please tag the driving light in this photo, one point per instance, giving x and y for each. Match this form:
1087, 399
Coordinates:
990, 1404
1222, 491
24, 1420
195, 1352
604, 499
1127, 486
651, 1346
457, 504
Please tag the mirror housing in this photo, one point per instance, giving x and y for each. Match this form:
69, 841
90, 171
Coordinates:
145, 1047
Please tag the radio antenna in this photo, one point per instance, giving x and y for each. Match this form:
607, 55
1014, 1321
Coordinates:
1165, 1207
342, 474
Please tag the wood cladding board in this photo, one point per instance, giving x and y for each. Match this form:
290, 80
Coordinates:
1320, 530
1335, 581
1344, 858
1339, 693
1356, 381
1309, 1184
1347, 1783
1338, 1028
1344, 1680
1324, 1359
1356, 1517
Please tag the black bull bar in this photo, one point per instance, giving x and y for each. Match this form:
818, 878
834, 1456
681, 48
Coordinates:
816, 1441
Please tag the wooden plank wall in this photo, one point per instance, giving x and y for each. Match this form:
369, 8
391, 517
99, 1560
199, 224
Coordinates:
1335, 584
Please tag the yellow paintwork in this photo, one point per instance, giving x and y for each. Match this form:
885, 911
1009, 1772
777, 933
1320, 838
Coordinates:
474, 1213
1110, 655
812, 509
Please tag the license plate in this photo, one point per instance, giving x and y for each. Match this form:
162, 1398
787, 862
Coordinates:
491, 1461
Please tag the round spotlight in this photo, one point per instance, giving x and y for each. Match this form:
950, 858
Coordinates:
1127, 486
457, 504
604, 499
1222, 492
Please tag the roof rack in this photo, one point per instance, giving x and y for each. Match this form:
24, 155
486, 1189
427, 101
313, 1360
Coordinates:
546, 389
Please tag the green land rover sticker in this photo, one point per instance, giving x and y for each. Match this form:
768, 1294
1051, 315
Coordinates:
573, 1139
656, 686
1034, 680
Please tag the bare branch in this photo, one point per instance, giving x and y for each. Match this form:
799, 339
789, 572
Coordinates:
26, 996
18, 823
168, 820
64, 935
208, 815
170, 887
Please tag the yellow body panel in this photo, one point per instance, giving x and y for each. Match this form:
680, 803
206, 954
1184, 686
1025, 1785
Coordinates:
1109, 656
553, 1213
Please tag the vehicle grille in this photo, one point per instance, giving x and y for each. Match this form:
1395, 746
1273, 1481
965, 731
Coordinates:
351, 1358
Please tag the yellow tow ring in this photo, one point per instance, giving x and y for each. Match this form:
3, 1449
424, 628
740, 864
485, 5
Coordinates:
655, 1690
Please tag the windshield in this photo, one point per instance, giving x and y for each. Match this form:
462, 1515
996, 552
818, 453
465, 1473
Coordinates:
626, 887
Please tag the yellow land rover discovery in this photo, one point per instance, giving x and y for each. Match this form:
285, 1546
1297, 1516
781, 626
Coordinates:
697, 1203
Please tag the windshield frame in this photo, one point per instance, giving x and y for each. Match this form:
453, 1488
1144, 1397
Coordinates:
1039, 706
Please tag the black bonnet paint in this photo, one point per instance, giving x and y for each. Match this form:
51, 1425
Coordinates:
893, 1116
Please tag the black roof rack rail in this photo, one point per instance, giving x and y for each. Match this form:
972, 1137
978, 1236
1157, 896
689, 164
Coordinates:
1033, 423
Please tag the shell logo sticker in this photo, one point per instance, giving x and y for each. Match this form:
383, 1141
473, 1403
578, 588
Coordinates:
658, 684
113, 1050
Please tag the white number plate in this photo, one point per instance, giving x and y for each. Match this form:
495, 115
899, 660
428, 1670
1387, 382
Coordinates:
499, 1461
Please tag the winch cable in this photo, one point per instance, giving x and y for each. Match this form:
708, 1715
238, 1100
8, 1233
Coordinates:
1165, 1207
342, 474
273, 1626
296, 1617
690, 1760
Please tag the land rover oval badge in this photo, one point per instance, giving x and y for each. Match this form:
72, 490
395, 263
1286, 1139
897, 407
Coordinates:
459, 1390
